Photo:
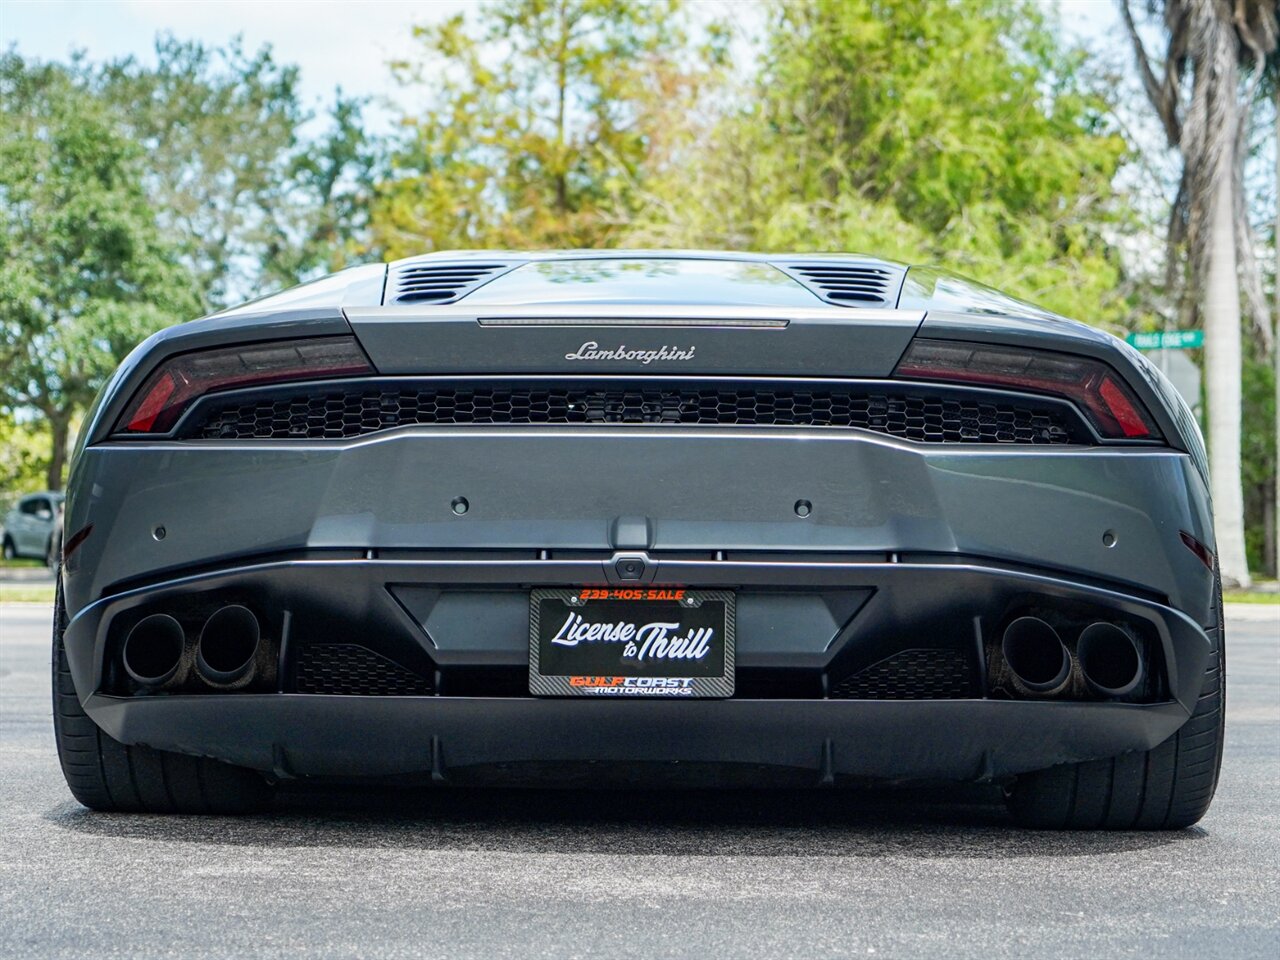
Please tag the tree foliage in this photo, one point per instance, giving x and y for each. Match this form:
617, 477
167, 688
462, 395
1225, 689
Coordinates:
85, 272
321, 223
252, 204
958, 132
540, 128
24, 457
137, 196
1205, 112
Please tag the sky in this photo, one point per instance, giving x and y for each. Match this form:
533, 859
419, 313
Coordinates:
345, 43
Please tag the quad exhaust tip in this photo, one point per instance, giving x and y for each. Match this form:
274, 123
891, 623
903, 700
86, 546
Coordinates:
1036, 655
228, 649
1110, 660
153, 650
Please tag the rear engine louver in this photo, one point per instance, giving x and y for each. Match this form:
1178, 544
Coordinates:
849, 285
439, 282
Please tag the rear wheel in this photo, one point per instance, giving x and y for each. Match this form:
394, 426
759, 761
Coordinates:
10, 551
1166, 788
105, 774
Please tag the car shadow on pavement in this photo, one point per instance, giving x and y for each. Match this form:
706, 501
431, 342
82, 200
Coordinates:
926, 822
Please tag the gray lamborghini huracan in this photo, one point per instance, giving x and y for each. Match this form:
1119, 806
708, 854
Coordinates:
662, 518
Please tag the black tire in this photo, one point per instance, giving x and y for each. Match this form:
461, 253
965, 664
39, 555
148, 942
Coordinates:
10, 551
51, 552
105, 774
1166, 788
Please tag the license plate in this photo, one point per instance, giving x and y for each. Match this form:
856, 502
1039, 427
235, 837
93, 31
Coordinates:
631, 642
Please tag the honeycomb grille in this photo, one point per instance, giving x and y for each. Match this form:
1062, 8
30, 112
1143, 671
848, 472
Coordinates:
352, 670
339, 413
911, 675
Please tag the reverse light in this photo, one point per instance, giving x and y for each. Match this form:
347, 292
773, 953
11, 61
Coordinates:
178, 381
1091, 384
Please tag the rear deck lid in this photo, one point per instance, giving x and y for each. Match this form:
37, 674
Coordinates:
668, 339
629, 314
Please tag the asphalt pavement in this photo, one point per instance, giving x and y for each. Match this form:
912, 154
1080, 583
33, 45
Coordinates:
920, 873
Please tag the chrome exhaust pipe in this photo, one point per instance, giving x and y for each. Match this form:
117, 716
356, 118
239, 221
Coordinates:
1109, 660
228, 649
1036, 655
153, 649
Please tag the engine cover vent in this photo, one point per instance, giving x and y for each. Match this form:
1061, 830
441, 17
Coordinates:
417, 281
845, 284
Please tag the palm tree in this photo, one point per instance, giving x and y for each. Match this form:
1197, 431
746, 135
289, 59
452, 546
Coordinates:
1215, 44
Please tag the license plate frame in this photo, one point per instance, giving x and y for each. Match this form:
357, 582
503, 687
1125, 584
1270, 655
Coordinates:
649, 662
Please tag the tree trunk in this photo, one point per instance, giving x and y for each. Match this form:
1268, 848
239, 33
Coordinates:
1222, 355
59, 428
1275, 356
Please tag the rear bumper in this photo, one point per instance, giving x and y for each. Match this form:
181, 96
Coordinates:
907, 545
687, 489
294, 735
454, 737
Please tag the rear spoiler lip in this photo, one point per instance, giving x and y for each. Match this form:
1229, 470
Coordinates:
642, 314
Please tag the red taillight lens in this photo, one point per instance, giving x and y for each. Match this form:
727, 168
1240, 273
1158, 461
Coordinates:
181, 379
1104, 398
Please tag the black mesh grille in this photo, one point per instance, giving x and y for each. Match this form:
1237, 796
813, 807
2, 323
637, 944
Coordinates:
352, 670
843, 284
345, 412
911, 675
415, 281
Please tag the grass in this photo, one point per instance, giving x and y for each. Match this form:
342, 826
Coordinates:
19, 562
1238, 596
26, 593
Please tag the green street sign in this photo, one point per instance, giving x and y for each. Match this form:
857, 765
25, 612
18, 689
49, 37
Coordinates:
1167, 340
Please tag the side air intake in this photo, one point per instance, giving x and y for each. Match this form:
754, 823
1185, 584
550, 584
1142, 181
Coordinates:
430, 282
849, 284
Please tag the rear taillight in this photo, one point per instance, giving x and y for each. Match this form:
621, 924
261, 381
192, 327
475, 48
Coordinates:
1097, 389
182, 379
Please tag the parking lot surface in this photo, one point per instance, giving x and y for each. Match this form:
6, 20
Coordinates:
902, 873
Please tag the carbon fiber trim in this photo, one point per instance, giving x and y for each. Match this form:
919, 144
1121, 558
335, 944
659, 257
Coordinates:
702, 687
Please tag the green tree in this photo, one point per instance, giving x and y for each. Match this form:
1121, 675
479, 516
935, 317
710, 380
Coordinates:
320, 222
960, 132
84, 271
217, 126
539, 130
252, 202
24, 457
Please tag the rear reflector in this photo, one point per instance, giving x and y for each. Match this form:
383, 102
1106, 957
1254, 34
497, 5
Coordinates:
74, 541
1092, 385
1203, 553
184, 378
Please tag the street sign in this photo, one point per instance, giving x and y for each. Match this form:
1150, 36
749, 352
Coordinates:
1167, 340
